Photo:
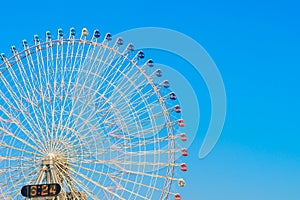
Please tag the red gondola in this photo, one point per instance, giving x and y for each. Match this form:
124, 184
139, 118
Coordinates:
177, 109
177, 197
183, 167
181, 123
183, 137
184, 152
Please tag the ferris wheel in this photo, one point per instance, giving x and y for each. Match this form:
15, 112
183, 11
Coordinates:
87, 118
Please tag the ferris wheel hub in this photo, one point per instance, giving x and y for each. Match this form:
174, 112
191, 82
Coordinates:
53, 159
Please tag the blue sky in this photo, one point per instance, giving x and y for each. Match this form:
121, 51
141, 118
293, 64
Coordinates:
256, 47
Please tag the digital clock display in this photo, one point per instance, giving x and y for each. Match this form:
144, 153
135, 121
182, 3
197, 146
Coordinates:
42, 190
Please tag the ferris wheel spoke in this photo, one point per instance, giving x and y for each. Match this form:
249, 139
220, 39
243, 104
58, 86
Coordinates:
17, 168
84, 139
81, 122
96, 184
14, 158
81, 134
13, 109
77, 182
33, 137
138, 184
115, 161
111, 58
19, 180
28, 85
50, 66
42, 89
159, 152
139, 173
130, 86
57, 78
145, 122
20, 168
110, 78
64, 101
129, 181
151, 129
100, 69
19, 139
3, 144
66, 80
35, 74
106, 76
143, 99
120, 179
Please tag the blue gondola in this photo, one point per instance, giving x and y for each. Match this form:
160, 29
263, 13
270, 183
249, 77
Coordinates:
158, 73
60, 33
166, 84
108, 37
172, 96
48, 35
72, 32
150, 63
141, 55
96, 33
130, 47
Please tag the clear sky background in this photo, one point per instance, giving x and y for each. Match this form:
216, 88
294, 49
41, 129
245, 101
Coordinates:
256, 46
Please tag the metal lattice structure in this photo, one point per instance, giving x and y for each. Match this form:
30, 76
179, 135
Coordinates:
90, 115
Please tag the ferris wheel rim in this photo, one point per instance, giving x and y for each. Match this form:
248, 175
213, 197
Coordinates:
55, 43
